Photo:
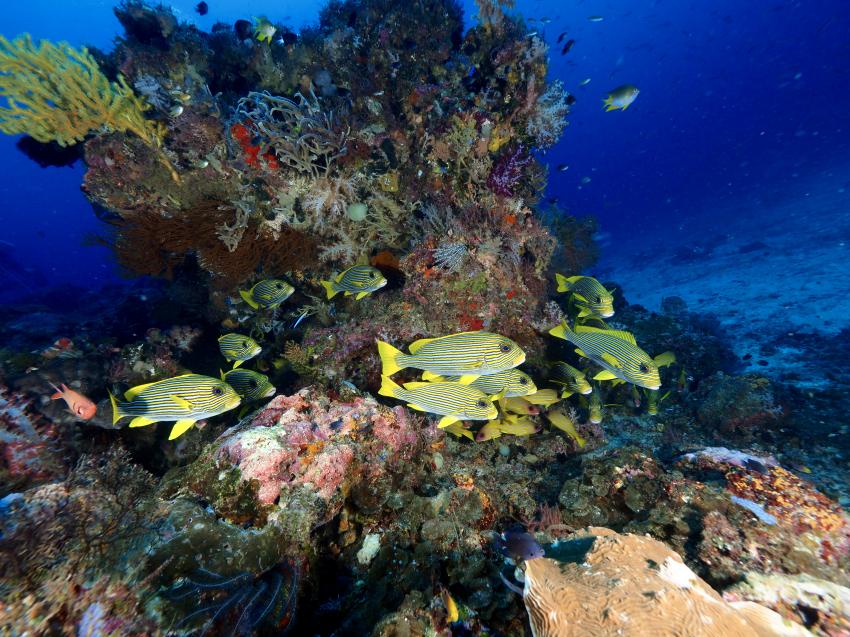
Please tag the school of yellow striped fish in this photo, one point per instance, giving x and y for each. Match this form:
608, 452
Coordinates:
466, 377
474, 376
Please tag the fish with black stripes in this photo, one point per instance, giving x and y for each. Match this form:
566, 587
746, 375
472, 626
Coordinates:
250, 385
616, 351
465, 354
184, 399
573, 380
267, 294
510, 383
453, 401
590, 296
358, 280
237, 348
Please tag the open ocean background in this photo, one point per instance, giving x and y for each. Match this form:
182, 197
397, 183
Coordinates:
726, 183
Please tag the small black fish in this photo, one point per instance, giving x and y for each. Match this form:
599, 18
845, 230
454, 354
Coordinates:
202, 8
519, 544
563, 167
569, 45
244, 29
561, 37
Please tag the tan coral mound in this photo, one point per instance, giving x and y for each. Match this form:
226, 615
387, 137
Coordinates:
634, 586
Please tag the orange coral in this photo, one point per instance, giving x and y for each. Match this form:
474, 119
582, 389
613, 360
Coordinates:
789, 498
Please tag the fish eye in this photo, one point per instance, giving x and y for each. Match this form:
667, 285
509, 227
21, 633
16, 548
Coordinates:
279, 286
523, 381
599, 299
505, 348
371, 275
245, 343
217, 391
644, 369
252, 383
481, 403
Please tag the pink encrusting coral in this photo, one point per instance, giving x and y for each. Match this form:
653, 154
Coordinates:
306, 439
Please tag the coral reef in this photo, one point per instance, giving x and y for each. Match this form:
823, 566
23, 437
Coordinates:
387, 134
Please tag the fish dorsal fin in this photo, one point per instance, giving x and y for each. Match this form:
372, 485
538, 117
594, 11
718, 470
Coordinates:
621, 334
131, 393
467, 379
181, 402
611, 360
415, 346
415, 385
339, 276
223, 375
667, 358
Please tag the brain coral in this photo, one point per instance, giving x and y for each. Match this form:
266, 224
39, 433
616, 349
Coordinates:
631, 586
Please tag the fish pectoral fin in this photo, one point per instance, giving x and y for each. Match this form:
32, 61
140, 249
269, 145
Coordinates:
445, 421
566, 393
180, 427
581, 353
141, 421
360, 295
605, 375
131, 393
347, 293
416, 407
584, 312
414, 384
236, 364
467, 379
182, 402
611, 360
579, 297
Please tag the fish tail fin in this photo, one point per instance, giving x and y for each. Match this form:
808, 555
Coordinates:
390, 358
116, 408
249, 298
561, 331
563, 283
330, 289
389, 387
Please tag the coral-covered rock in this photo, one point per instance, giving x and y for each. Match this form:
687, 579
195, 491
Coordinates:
824, 606
627, 585
739, 405
307, 440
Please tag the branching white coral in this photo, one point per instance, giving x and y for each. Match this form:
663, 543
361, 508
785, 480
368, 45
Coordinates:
547, 120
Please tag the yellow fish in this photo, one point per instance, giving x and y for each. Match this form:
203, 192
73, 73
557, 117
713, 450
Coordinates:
566, 421
591, 297
453, 401
519, 427
544, 397
465, 354
621, 97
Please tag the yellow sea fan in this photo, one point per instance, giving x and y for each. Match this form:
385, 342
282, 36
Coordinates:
54, 92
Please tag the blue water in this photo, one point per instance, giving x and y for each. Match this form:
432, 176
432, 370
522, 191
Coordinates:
740, 102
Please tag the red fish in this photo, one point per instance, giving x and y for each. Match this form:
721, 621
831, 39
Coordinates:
82, 407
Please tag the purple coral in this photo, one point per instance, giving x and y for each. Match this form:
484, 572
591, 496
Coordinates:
507, 171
